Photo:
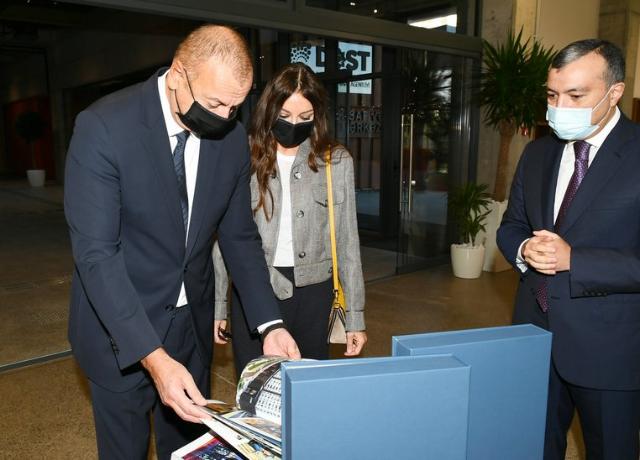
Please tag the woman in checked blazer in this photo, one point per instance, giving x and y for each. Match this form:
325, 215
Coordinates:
289, 142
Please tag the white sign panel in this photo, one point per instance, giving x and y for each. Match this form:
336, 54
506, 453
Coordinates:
351, 56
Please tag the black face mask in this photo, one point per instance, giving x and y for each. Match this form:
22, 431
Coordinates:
206, 124
289, 134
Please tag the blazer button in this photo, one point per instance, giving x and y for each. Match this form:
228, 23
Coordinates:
300, 213
302, 255
168, 308
297, 174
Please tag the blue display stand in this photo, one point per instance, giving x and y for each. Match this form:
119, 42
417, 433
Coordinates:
375, 408
508, 391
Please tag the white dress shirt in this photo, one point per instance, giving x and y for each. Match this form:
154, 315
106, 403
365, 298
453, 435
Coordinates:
284, 248
191, 157
567, 165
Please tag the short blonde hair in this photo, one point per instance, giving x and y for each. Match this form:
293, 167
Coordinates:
222, 42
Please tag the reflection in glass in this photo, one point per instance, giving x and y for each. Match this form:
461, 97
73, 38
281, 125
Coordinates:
358, 119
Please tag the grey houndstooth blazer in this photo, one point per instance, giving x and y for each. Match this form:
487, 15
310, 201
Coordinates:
310, 227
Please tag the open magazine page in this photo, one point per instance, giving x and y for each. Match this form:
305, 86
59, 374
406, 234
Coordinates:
206, 447
262, 427
248, 447
253, 427
248, 425
259, 388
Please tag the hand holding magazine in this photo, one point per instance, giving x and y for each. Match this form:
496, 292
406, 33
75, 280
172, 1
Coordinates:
252, 426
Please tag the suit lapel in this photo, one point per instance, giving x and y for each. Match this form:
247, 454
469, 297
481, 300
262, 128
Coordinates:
551, 168
207, 162
156, 144
604, 166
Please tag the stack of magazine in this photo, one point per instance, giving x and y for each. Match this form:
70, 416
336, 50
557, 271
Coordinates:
251, 428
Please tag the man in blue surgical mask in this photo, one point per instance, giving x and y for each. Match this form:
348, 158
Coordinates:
572, 230
153, 172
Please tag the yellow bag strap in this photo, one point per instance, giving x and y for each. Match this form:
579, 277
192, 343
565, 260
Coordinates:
332, 224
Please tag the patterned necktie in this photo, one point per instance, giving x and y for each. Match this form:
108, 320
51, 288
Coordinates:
581, 150
178, 164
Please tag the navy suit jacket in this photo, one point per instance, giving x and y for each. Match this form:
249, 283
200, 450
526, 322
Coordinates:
123, 210
594, 309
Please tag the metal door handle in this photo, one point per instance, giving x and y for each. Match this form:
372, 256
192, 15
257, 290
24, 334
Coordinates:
411, 182
401, 181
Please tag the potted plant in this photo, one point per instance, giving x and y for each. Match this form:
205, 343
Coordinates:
30, 126
469, 207
513, 93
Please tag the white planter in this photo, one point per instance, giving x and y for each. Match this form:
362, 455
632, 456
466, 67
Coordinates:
36, 177
467, 260
493, 258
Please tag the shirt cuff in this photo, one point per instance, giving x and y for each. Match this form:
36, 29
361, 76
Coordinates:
520, 262
262, 327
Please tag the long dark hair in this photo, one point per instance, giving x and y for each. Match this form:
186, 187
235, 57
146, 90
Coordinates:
290, 79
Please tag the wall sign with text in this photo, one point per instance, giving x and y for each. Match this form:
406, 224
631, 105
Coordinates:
351, 56
360, 121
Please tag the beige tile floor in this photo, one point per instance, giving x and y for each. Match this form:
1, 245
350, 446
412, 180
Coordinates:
45, 409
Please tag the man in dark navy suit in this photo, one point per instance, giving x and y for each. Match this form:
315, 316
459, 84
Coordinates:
153, 173
572, 229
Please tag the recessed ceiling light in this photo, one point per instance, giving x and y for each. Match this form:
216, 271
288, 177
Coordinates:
434, 23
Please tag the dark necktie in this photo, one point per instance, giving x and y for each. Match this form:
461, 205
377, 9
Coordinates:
178, 164
581, 150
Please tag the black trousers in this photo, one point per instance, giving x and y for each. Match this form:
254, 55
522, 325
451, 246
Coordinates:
610, 420
123, 419
305, 314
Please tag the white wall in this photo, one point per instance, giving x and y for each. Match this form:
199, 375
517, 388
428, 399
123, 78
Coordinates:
497, 19
560, 22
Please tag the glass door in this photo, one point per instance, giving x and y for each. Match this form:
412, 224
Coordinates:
408, 133
422, 222
433, 153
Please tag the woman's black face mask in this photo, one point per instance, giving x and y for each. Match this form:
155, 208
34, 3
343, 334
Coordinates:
289, 134
206, 124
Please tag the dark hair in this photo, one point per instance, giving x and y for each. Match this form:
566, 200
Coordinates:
290, 79
610, 52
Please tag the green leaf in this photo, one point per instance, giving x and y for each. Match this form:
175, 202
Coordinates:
512, 83
469, 207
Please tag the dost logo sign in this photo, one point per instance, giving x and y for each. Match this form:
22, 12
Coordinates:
354, 57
